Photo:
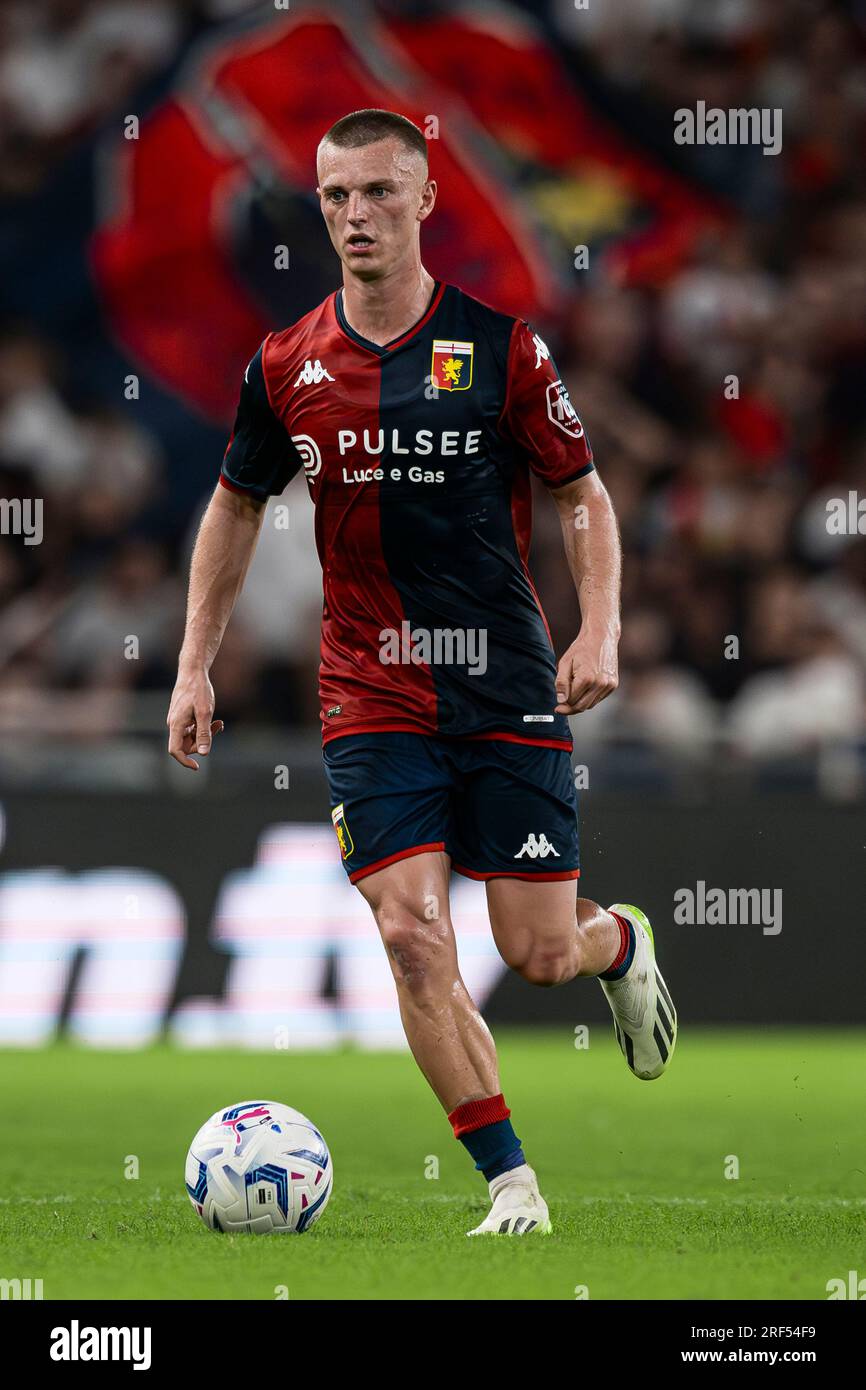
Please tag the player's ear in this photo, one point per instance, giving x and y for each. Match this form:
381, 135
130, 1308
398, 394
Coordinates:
428, 199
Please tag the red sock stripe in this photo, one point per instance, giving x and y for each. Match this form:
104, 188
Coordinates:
624, 938
475, 1114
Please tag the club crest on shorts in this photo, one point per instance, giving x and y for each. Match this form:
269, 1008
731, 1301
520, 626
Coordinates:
451, 368
338, 816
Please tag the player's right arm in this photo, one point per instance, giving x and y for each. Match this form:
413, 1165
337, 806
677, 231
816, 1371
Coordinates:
259, 461
223, 550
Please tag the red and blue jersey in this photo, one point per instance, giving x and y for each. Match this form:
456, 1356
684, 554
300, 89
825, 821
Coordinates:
417, 458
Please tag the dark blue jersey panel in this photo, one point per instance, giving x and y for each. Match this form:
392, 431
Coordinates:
450, 545
260, 458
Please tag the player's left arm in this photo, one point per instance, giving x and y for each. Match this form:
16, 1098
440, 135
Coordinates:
539, 417
589, 670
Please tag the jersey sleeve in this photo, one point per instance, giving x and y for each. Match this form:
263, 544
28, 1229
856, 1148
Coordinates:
260, 458
538, 414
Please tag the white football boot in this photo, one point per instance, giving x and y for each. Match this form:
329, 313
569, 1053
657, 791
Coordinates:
644, 1017
518, 1206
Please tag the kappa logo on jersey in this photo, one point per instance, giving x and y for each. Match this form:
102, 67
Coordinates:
537, 847
542, 351
312, 373
451, 368
338, 816
560, 410
311, 455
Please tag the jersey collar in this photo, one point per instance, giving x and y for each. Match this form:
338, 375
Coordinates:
382, 350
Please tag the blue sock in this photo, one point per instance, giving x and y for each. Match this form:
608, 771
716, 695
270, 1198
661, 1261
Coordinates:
495, 1148
625, 955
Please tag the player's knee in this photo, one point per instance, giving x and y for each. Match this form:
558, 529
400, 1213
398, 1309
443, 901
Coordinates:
546, 968
419, 950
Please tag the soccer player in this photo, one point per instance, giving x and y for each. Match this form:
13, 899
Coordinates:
417, 413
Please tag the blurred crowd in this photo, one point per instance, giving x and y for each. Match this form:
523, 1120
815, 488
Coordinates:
725, 406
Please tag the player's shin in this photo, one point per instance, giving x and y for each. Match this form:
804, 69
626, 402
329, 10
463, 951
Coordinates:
603, 941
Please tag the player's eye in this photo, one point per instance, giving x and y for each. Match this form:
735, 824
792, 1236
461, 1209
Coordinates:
378, 192
335, 195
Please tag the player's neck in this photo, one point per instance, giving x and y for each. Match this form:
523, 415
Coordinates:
381, 310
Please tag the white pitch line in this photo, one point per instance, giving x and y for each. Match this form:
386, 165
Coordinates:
64, 1198
635, 1199
461, 1199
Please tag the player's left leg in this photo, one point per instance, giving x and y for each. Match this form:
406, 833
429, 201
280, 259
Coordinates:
548, 936
517, 831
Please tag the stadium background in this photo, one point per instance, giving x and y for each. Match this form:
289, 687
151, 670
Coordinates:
139, 275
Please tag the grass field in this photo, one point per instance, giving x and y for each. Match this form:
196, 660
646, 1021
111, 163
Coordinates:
633, 1173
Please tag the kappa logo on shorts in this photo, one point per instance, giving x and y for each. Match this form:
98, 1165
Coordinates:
338, 816
537, 847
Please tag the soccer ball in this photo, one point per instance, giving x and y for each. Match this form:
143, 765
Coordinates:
259, 1166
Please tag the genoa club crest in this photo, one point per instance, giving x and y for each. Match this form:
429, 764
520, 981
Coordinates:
451, 369
338, 816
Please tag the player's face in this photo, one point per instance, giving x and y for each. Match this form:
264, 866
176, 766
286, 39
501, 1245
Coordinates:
373, 200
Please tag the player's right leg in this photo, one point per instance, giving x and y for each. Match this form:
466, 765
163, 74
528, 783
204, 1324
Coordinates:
449, 1039
392, 818
391, 795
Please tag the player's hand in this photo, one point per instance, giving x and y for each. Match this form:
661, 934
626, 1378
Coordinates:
190, 720
587, 673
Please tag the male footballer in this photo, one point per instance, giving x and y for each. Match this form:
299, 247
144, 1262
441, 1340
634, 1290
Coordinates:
417, 413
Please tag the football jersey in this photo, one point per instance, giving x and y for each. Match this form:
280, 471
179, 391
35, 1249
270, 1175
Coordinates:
417, 457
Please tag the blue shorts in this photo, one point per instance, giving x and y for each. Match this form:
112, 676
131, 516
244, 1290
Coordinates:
499, 809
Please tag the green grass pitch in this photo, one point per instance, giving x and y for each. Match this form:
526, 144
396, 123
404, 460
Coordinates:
634, 1173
